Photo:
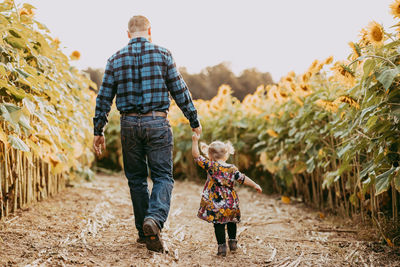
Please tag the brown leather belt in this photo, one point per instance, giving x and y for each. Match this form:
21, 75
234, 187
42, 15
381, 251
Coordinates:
156, 114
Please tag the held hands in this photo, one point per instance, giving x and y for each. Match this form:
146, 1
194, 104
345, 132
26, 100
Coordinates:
99, 144
198, 130
195, 137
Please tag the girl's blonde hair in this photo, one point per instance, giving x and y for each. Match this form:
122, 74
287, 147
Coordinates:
217, 149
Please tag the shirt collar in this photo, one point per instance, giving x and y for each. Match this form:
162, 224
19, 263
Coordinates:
138, 40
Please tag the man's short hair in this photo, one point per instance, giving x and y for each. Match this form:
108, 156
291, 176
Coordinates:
138, 24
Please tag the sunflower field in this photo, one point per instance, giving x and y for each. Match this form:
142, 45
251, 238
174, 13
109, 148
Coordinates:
44, 112
330, 136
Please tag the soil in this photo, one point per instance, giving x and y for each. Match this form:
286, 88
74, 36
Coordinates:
92, 224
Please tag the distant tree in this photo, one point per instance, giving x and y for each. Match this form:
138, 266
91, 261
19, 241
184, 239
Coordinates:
205, 84
197, 84
96, 75
221, 74
250, 79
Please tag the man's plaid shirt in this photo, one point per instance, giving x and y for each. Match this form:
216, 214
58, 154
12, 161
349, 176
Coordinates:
142, 75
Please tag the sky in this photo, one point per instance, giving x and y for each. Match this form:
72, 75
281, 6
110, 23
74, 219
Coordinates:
270, 35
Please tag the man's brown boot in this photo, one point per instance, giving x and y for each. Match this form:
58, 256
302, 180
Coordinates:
152, 233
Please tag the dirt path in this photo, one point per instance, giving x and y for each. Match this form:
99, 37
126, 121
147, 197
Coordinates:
92, 225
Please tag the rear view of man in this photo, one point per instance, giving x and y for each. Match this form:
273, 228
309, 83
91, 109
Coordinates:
142, 75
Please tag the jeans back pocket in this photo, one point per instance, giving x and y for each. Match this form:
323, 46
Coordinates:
159, 136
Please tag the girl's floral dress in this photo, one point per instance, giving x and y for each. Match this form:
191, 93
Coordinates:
219, 201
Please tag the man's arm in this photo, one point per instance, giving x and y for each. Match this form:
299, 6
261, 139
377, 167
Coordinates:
103, 106
180, 93
104, 100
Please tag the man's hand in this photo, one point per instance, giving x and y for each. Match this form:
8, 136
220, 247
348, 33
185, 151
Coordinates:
197, 130
258, 188
99, 144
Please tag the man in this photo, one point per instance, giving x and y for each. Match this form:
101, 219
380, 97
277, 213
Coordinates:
142, 75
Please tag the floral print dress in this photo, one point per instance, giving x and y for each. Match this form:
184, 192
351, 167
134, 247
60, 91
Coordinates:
219, 201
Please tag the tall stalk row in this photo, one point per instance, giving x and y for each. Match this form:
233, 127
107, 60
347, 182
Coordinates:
45, 127
25, 180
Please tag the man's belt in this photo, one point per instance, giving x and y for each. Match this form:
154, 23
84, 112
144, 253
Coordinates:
151, 113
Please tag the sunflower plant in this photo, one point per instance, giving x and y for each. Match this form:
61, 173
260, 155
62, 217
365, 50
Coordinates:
44, 111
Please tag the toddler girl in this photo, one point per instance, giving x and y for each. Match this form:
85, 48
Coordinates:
219, 201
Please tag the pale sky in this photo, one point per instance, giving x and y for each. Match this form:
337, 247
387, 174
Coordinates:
271, 35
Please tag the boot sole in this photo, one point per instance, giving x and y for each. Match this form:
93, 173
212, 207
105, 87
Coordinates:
153, 240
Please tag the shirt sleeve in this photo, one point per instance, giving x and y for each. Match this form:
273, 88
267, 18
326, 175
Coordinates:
180, 93
203, 162
239, 177
104, 99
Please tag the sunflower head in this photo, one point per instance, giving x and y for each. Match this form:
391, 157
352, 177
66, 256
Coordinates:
395, 9
293, 87
313, 66
347, 99
289, 79
329, 60
26, 12
304, 87
306, 77
75, 55
355, 50
56, 41
224, 90
343, 73
375, 34
364, 41
327, 105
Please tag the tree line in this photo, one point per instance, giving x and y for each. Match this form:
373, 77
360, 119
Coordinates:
204, 85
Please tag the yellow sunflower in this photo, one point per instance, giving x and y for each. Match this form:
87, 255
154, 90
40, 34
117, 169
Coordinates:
306, 77
313, 66
344, 74
364, 41
56, 41
329, 60
395, 9
305, 88
289, 79
375, 34
348, 100
224, 90
356, 50
293, 87
272, 133
327, 105
75, 55
26, 12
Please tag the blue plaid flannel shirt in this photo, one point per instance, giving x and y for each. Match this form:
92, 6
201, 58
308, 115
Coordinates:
142, 75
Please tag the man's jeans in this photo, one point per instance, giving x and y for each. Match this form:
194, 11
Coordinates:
147, 143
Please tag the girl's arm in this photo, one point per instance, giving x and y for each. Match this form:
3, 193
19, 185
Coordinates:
247, 181
195, 146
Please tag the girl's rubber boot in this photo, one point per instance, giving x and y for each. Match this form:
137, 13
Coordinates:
232, 245
221, 250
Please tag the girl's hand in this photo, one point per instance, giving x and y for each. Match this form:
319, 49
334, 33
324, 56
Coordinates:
195, 137
258, 188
